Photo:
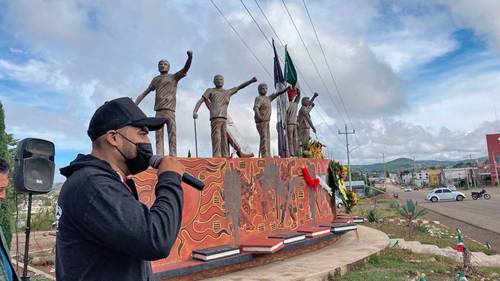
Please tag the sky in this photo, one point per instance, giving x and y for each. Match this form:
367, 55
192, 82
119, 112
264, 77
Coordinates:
418, 79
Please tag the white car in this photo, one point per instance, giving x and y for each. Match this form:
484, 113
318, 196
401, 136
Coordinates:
408, 189
339, 202
451, 187
443, 194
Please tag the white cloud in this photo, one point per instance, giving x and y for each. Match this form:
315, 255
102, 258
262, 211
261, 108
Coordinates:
35, 71
481, 15
97, 51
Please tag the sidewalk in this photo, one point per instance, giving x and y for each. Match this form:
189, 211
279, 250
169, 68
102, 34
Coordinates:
321, 264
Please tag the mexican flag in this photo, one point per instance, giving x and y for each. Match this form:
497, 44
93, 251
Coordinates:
460, 241
282, 102
290, 75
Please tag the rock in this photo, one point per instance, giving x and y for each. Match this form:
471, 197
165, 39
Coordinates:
494, 274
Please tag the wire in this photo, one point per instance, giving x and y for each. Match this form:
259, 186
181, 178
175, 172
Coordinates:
281, 42
310, 58
328, 66
241, 38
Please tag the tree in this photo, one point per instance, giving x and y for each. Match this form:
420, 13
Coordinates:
7, 205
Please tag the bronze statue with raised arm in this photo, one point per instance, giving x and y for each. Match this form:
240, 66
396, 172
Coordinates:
218, 99
262, 109
292, 137
304, 120
166, 90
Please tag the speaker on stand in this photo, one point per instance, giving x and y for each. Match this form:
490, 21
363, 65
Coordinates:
33, 174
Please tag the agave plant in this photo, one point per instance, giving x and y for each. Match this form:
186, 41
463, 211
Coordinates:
410, 211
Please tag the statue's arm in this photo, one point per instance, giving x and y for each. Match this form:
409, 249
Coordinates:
145, 93
198, 104
308, 119
314, 97
183, 72
277, 94
297, 98
245, 84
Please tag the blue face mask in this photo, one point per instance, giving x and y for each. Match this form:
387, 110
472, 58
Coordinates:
141, 162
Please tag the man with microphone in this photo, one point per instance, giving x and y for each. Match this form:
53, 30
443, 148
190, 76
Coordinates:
103, 231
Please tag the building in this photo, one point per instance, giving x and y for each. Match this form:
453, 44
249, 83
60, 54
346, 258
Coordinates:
357, 186
435, 177
461, 176
493, 144
421, 178
406, 178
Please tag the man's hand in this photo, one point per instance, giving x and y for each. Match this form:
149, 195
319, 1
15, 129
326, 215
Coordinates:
195, 115
170, 164
190, 53
254, 79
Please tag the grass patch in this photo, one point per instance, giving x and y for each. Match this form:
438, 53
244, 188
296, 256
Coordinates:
427, 234
393, 264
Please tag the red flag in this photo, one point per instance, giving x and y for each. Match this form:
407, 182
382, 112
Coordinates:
313, 183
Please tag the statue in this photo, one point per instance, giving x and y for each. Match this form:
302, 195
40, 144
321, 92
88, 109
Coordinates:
166, 90
218, 98
304, 120
262, 109
292, 137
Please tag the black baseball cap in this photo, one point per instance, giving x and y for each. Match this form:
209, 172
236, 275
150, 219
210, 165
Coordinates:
118, 113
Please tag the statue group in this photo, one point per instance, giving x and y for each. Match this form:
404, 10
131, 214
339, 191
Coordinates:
298, 125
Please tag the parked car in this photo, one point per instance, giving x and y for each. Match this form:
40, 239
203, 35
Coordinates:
451, 187
339, 201
408, 189
443, 194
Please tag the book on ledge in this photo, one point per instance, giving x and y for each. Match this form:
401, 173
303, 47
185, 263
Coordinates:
289, 237
262, 245
341, 227
358, 219
215, 252
315, 231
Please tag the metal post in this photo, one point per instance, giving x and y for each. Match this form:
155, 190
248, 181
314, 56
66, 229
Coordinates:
496, 172
195, 138
346, 133
25, 276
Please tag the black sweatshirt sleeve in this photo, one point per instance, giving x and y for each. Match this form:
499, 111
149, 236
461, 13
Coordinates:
118, 221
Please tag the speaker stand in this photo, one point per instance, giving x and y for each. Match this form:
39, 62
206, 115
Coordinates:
25, 276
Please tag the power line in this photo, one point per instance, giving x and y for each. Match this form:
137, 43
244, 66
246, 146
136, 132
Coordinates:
268, 22
241, 38
326, 61
310, 57
329, 68
267, 39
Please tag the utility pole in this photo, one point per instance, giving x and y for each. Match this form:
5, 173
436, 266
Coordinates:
383, 161
346, 133
496, 172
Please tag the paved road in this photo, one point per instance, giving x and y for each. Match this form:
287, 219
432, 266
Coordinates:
481, 213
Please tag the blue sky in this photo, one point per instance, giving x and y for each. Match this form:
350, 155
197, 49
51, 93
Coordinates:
417, 78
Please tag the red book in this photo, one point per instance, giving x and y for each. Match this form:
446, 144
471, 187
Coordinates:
315, 231
262, 245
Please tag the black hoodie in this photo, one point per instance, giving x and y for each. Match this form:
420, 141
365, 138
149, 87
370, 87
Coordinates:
104, 232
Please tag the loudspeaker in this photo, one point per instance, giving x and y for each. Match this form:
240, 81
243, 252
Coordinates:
34, 166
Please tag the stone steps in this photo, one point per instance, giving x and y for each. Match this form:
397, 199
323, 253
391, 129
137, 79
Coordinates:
478, 258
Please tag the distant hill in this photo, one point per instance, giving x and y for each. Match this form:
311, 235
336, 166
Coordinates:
407, 164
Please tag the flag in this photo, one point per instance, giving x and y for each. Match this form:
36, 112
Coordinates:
280, 84
460, 241
290, 72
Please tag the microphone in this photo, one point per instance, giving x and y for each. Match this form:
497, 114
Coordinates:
187, 178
